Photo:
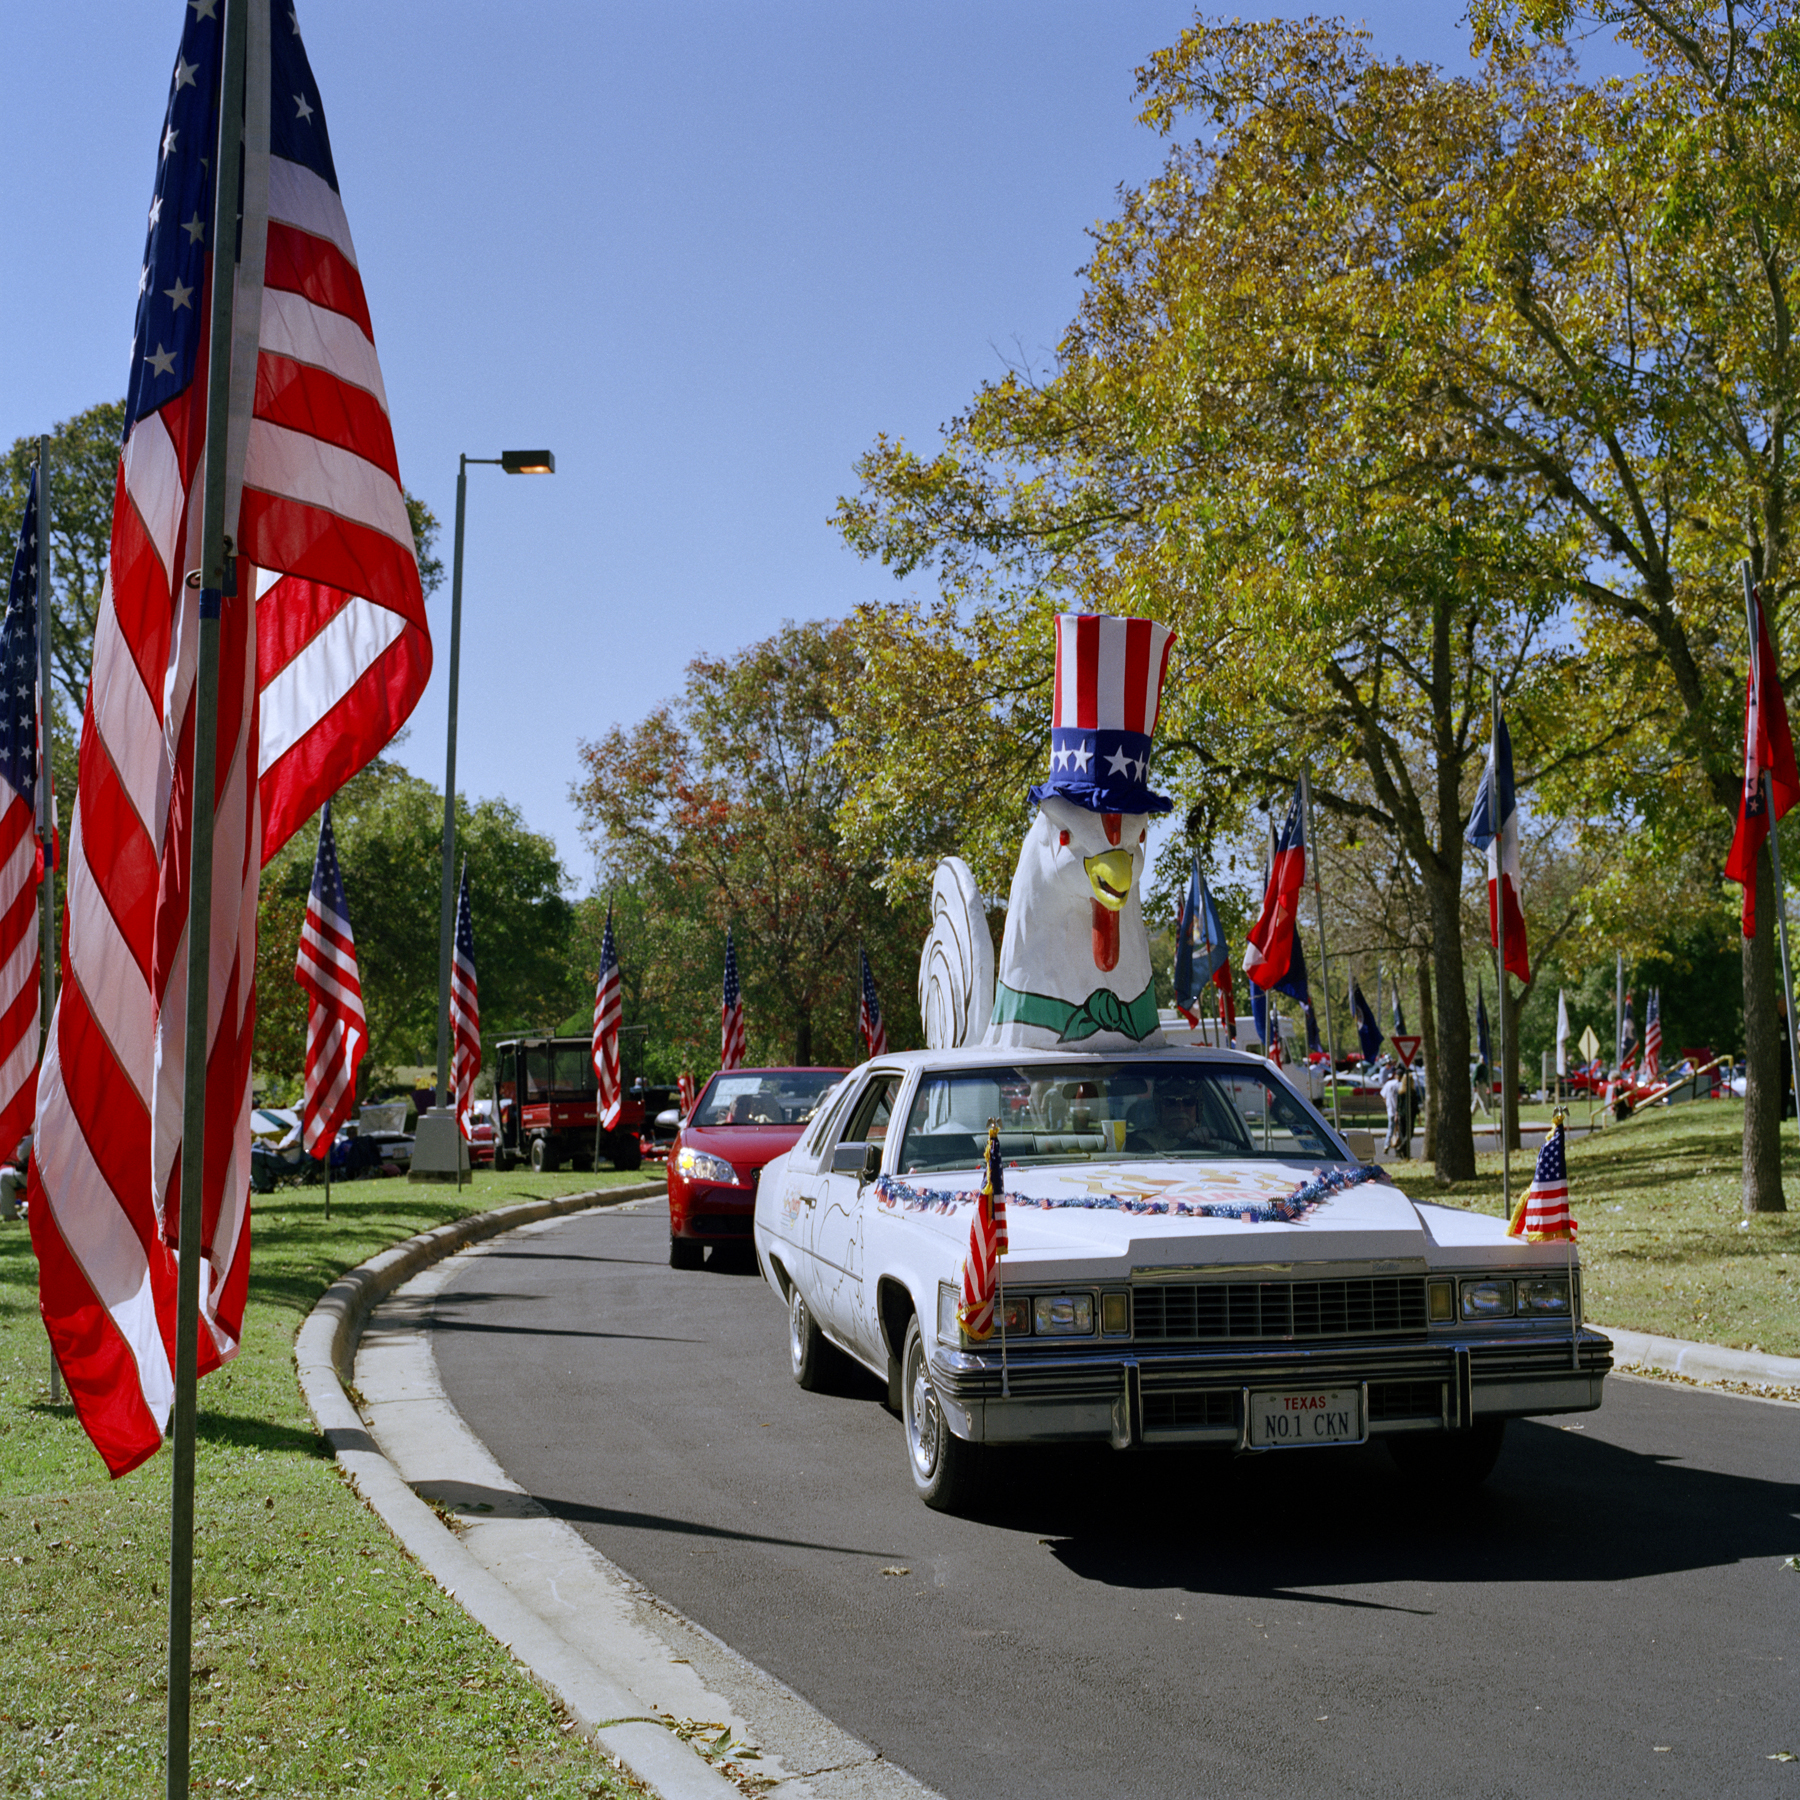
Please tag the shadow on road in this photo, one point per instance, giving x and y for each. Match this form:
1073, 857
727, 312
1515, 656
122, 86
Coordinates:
1561, 1507
445, 1318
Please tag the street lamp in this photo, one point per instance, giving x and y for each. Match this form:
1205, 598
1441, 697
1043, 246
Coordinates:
433, 1140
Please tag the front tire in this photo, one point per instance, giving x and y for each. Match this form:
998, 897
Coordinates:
625, 1150
543, 1156
686, 1253
946, 1469
1449, 1462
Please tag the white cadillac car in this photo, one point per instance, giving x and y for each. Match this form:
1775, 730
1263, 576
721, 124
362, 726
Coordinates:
1194, 1257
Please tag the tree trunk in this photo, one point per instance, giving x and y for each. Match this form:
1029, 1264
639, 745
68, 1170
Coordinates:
803, 1039
1434, 1092
1455, 1157
1763, 1031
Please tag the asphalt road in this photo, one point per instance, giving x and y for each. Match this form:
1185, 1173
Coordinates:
1608, 1616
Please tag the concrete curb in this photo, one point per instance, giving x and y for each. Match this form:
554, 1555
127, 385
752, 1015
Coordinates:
324, 1355
1701, 1362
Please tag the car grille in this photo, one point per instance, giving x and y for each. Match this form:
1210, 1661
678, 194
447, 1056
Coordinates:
1406, 1399
1244, 1311
1184, 1412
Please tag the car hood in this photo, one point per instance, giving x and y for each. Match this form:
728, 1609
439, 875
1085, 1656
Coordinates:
743, 1146
1372, 1221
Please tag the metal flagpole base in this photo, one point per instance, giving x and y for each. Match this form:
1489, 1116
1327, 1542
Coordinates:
440, 1152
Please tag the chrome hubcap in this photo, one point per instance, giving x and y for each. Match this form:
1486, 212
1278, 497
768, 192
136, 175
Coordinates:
921, 1416
797, 1323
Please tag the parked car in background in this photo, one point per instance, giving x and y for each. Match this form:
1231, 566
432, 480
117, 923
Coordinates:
481, 1134
742, 1119
1194, 1257
545, 1100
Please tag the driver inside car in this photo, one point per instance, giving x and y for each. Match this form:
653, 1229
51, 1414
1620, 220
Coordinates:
1177, 1124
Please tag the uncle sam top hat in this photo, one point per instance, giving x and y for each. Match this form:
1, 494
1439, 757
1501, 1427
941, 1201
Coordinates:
1109, 677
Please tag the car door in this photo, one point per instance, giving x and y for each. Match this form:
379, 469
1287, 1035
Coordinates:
837, 1227
791, 1205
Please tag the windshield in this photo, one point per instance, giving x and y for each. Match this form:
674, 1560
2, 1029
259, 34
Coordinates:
1060, 1113
764, 1097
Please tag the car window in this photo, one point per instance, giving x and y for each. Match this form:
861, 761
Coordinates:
874, 1111
764, 1096
825, 1123
1062, 1112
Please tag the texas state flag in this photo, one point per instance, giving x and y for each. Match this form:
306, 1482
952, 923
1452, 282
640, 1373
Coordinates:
1275, 937
1494, 827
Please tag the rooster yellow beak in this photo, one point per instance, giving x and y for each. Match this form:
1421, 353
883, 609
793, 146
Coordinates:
1109, 875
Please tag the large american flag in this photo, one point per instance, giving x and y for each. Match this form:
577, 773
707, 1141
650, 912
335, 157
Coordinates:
465, 1010
731, 1011
874, 1032
1653, 1035
323, 651
609, 1013
1542, 1214
21, 850
337, 1032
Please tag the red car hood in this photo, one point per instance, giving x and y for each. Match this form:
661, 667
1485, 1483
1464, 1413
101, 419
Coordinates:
743, 1146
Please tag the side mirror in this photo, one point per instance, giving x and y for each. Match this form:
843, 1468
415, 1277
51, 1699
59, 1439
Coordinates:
858, 1159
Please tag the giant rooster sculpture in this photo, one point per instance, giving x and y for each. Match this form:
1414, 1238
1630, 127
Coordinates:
1075, 958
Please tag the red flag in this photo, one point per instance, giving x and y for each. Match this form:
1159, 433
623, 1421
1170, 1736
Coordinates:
1768, 750
323, 651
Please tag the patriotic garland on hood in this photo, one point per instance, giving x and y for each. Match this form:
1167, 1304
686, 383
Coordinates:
1287, 1210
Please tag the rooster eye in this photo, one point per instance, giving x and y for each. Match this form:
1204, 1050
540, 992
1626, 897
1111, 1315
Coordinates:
1062, 838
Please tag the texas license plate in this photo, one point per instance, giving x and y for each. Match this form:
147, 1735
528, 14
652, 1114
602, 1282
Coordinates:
1306, 1416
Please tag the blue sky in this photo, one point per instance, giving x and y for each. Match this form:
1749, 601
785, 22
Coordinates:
705, 252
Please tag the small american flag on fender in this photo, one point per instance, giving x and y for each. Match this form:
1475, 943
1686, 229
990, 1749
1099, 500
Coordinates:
323, 652
987, 1244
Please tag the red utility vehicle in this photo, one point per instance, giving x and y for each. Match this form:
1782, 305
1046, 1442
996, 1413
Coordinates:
744, 1119
544, 1105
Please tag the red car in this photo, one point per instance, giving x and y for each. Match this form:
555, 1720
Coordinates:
744, 1119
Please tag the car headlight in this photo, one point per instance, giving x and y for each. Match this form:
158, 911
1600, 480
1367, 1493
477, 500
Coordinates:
1012, 1316
697, 1165
1062, 1315
1544, 1296
1487, 1299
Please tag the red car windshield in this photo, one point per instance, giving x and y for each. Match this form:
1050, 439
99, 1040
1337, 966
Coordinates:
764, 1097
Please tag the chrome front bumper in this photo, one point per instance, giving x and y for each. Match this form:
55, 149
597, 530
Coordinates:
1171, 1395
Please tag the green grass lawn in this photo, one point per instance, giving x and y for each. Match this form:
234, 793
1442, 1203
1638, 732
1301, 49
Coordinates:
1664, 1244
326, 1660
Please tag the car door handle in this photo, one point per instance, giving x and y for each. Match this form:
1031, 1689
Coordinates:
810, 1199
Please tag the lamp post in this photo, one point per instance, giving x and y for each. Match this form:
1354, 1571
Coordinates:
441, 1147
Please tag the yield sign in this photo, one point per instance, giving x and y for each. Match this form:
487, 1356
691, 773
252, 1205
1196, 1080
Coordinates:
1590, 1045
1406, 1048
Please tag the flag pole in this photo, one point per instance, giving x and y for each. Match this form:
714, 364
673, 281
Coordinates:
1787, 969
46, 820
1498, 852
215, 579
1324, 955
